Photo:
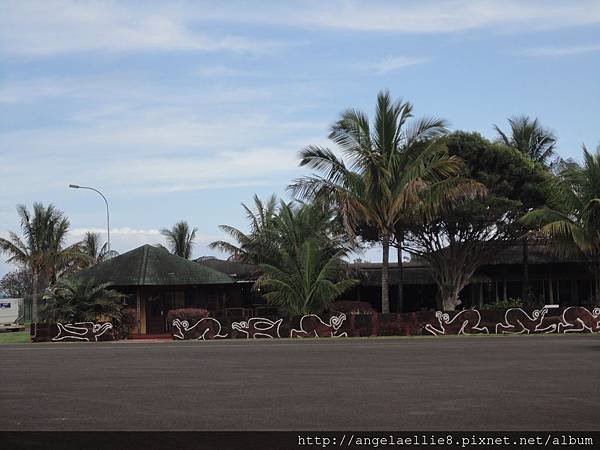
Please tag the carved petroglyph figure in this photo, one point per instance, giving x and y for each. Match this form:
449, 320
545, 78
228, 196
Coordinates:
206, 328
517, 321
464, 322
81, 331
258, 327
312, 325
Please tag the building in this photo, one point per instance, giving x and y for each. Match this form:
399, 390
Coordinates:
551, 281
158, 281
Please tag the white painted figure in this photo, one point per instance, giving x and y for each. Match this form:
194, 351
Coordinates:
312, 325
81, 331
517, 321
464, 322
207, 327
578, 319
258, 327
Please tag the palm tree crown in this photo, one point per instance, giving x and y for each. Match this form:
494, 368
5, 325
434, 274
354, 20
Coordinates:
93, 251
388, 167
573, 223
252, 247
304, 275
529, 137
41, 249
180, 239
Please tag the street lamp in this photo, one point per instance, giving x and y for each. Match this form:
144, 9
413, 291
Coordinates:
76, 186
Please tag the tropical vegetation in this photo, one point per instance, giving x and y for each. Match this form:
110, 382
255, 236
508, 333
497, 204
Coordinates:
251, 247
74, 300
299, 248
453, 200
462, 238
93, 251
303, 275
180, 239
41, 249
530, 138
16, 284
390, 168
571, 223
537, 143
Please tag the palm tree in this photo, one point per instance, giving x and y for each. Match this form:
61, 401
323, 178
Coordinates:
573, 223
180, 239
390, 168
40, 250
305, 270
537, 143
75, 300
252, 247
93, 252
529, 137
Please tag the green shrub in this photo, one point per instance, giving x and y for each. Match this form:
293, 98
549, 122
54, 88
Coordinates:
81, 301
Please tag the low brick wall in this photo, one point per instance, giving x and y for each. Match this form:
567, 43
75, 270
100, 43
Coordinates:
470, 321
75, 332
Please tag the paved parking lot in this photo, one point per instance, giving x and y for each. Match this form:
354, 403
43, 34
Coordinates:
449, 383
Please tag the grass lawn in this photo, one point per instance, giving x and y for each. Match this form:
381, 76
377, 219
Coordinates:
14, 337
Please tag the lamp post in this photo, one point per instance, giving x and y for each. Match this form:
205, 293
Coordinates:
76, 186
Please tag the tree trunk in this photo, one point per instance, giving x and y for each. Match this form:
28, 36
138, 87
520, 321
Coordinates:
596, 273
450, 300
525, 294
451, 281
34, 297
385, 269
550, 286
400, 305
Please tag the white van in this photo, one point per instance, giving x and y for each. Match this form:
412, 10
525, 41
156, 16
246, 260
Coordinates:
9, 312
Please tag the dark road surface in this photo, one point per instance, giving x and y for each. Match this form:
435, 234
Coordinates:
475, 383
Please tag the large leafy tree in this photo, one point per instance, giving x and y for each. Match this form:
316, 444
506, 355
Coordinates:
571, 220
304, 273
41, 249
385, 168
254, 246
529, 137
462, 238
16, 284
180, 239
75, 300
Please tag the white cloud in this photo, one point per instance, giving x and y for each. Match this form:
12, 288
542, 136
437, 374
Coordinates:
162, 149
54, 27
131, 136
393, 64
220, 72
424, 16
78, 233
122, 239
33, 28
251, 167
560, 51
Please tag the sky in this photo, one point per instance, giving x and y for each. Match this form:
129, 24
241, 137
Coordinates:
182, 110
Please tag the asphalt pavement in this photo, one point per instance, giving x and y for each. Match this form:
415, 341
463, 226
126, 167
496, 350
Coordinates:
435, 383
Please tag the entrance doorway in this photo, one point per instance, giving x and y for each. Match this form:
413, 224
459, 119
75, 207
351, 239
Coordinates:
158, 307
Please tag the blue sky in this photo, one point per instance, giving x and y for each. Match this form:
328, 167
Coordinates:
182, 110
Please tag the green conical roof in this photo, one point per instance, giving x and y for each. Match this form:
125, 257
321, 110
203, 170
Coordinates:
152, 266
